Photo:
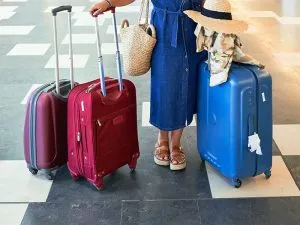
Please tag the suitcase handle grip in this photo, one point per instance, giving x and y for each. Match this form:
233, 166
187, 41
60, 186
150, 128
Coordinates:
112, 9
100, 58
97, 85
61, 8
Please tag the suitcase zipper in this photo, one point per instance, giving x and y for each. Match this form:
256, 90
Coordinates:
256, 122
77, 128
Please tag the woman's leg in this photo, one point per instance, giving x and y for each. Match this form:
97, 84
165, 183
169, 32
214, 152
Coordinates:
163, 136
176, 137
162, 150
177, 155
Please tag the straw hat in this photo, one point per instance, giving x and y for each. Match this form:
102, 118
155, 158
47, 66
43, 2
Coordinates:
216, 15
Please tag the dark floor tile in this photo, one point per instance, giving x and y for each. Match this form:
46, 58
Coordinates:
160, 212
181, 212
275, 149
148, 182
141, 212
293, 164
261, 211
276, 211
223, 211
101, 213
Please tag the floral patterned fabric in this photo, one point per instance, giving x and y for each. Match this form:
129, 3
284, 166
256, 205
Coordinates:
222, 49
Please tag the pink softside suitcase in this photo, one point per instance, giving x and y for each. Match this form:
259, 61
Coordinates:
102, 124
45, 129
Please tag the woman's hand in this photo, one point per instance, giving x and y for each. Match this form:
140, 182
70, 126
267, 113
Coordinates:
103, 5
99, 8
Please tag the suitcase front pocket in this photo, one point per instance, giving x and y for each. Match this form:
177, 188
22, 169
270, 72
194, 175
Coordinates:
113, 138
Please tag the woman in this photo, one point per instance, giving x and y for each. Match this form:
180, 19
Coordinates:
173, 74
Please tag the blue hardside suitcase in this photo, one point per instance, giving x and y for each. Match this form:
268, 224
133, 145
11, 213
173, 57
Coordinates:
231, 112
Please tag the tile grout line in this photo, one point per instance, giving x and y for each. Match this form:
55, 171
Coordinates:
121, 217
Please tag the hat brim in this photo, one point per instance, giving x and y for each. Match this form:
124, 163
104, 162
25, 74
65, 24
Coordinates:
219, 25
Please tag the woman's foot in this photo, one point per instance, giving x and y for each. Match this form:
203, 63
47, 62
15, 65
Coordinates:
162, 153
177, 158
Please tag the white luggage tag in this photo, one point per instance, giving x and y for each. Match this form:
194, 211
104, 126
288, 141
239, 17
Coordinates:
254, 144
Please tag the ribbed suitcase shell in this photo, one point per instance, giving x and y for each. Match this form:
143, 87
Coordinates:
45, 129
102, 131
228, 114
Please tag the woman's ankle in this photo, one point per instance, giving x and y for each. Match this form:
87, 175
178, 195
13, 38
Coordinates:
163, 136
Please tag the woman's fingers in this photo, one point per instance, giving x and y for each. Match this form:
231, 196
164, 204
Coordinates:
92, 10
97, 12
99, 8
95, 8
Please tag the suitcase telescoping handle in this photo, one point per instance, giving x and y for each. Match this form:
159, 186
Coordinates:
100, 58
54, 13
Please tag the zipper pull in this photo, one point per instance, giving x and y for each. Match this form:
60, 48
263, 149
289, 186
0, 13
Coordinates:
78, 136
99, 123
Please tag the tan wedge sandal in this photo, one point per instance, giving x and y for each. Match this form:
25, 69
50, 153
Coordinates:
178, 161
162, 153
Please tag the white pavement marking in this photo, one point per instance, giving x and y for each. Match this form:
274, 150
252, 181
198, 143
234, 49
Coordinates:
80, 39
86, 15
287, 138
289, 20
110, 29
261, 14
128, 9
87, 20
251, 29
6, 15
29, 49
280, 184
146, 116
79, 61
12, 214
14, 0
4, 9
74, 9
288, 58
270, 14
34, 188
110, 48
32, 88
15, 30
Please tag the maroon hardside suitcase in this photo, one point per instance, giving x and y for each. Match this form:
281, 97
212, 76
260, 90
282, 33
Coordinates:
102, 124
45, 128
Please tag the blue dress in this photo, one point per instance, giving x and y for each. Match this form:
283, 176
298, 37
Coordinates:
174, 65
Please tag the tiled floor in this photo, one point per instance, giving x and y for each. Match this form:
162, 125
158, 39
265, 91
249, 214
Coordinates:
153, 195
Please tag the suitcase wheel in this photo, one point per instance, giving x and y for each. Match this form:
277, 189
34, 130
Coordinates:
268, 174
99, 187
75, 177
33, 171
49, 176
237, 183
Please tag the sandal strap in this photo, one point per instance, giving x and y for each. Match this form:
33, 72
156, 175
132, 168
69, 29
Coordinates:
162, 143
159, 151
177, 152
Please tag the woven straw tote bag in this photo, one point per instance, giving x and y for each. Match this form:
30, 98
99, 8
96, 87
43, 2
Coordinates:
138, 42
